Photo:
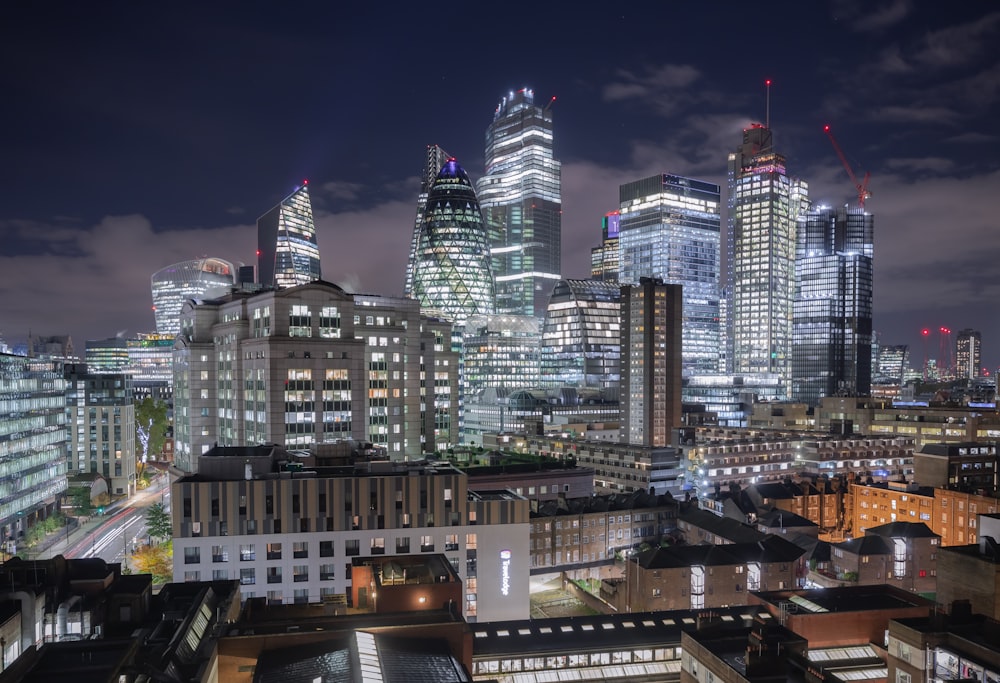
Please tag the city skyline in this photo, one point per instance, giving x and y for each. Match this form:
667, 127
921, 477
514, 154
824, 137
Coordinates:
121, 167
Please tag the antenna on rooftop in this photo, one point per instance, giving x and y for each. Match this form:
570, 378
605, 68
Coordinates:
767, 105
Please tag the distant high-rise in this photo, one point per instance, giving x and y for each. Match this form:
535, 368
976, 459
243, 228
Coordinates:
604, 258
764, 205
651, 313
581, 336
287, 253
670, 229
968, 354
435, 161
522, 204
892, 364
204, 278
451, 272
832, 322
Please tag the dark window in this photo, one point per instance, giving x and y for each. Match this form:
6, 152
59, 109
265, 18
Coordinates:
326, 548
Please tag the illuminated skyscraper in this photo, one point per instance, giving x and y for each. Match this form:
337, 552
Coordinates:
832, 322
204, 278
287, 253
581, 344
604, 259
451, 272
670, 230
764, 205
651, 362
436, 159
968, 351
522, 204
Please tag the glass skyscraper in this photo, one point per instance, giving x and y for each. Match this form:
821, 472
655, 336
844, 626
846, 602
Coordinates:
581, 345
435, 161
670, 229
832, 329
522, 204
452, 276
204, 278
604, 259
764, 205
287, 252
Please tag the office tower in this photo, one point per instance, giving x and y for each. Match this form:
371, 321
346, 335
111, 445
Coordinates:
581, 336
764, 205
604, 259
892, 363
107, 355
101, 439
670, 230
287, 253
651, 314
32, 441
968, 350
435, 161
312, 364
451, 269
522, 204
204, 278
832, 321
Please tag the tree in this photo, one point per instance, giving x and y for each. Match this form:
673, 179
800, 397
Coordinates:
150, 429
158, 522
81, 499
155, 560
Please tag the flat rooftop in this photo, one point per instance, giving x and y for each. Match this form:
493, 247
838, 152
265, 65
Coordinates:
846, 599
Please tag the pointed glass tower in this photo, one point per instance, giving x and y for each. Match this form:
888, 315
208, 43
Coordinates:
436, 159
287, 253
451, 270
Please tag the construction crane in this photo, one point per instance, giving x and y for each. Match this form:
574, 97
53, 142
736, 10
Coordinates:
862, 187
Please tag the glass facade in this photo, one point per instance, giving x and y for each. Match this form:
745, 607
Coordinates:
604, 259
436, 159
670, 229
521, 196
764, 207
581, 344
205, 278
287, 252
452, 275
832, 330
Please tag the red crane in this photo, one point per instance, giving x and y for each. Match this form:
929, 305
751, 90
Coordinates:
862, 187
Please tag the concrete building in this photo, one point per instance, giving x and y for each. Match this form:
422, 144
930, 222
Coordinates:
286, 532
313, 364
970, 467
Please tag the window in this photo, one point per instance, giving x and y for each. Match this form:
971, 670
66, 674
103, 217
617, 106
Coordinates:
300, 549
352, 547
426, 544
378, 546
327, 572
451, 542
220, 575
192, 576
300, 572
274, 574
326, 548
274, 551
192, 556
220, 553
402, 545
247, 577
247, 553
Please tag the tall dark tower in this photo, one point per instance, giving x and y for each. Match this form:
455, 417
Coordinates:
287, 252
521, 196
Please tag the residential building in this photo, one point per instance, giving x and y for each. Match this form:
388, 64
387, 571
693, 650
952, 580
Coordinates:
670, 230
451, 272
970, 467
902, 554
651, 331
764, 205
100, 420
832, 312
581, 342
968, 354
521, 197
971, 572
287, 251
313, 364
960, 646
33, 442
604, 259
286, 532
204, 278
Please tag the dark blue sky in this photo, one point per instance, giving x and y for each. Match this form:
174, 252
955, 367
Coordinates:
136, 135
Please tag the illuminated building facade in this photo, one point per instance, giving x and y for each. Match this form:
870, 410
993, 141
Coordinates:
604, 259
287, 252
764, 205
204, 278
832, 321
451, 272
436, 159
670, 230
651, 313
313, 364
100, 415
968, 351
581, 344
32, 442
521, 196
107, 355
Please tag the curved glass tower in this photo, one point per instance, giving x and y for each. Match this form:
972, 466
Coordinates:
451, 268
206, 278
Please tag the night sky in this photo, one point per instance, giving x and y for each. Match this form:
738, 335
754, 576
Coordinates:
136, 135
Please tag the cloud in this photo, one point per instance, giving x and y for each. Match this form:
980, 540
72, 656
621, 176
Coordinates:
342, 190
916, 114
972, 138
661, 87
934, 164
875, 18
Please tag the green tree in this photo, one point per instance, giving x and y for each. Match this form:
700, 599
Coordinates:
80, 496
158, 522
150, 429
